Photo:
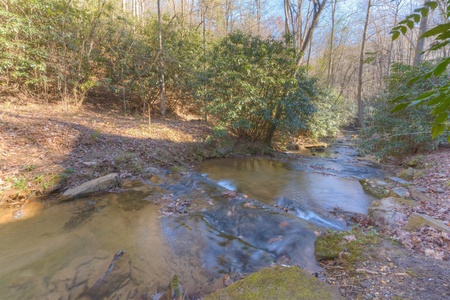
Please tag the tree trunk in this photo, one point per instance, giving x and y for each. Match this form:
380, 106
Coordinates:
317, 11
273, 125
361, 65
205, 113
161, 63
391, 45
330, 59
418, 54
258, 16
287, 17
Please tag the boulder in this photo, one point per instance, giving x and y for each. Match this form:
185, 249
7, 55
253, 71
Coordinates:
95, 185
416, 162
406, 174
416, 221
376, 188
278, 283
387, 211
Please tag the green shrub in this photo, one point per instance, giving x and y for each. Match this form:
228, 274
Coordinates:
330, 114
252, 89
395, 134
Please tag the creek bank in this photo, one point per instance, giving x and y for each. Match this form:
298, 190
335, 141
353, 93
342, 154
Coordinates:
404, 212
411, 218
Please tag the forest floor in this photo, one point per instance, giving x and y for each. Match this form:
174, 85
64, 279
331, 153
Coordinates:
47, 148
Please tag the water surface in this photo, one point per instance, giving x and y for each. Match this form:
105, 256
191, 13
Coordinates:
61, 251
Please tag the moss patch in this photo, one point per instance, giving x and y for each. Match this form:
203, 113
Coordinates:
277, 283
353, 243
370, 187
407, 174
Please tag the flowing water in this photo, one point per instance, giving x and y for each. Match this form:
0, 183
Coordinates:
61, 251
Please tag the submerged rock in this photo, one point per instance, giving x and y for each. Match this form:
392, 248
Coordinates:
174, 290
96, 185
278, 283
113, 279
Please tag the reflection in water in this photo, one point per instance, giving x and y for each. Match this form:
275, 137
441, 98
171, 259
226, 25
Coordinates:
314, 194
62, 253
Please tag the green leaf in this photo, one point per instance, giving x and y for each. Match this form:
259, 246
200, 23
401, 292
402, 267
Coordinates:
410, 24
428, 75
432, 4
441, 67
441, 118
416, 18
403, 29
438, 46
437, 130
425, 95
415, 79
395, 35
424, 12
398, 98
400, 107
436, 100
441, 28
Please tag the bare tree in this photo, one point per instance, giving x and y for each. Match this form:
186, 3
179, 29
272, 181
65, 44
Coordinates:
300, 27
418, 54
361, 65
330, 58
161, 63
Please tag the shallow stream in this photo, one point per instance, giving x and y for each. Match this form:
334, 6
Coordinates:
237, 216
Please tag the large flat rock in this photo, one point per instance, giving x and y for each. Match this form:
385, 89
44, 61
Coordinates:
416, 221
96, 185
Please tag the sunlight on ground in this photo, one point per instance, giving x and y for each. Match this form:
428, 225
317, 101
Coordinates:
29, 211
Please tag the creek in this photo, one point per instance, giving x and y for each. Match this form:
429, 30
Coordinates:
235, 216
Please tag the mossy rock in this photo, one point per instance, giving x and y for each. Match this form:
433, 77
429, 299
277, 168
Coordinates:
352, 243
407, 174
277, 283
417, 221
373, 188
418, 174
327, 247
416, 162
